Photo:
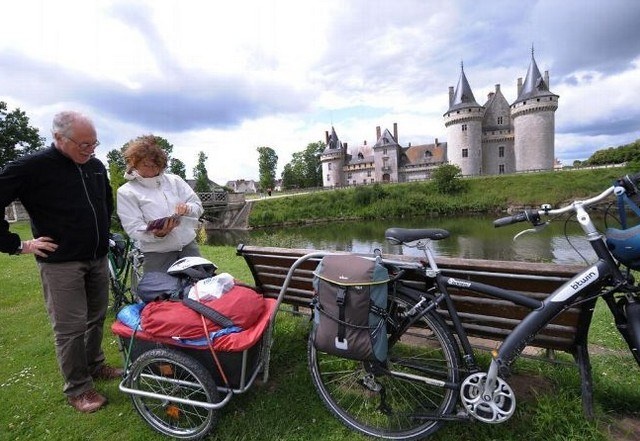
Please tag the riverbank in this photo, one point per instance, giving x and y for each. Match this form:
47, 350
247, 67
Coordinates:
488, 194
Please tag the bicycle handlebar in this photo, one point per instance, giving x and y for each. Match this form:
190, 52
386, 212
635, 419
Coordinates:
629, 183
526, 215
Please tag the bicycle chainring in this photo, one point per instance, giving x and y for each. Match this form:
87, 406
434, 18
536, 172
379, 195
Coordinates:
498, 409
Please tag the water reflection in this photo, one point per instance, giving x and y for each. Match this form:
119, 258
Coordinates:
472, 237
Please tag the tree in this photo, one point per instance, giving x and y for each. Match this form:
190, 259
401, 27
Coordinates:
116, 166
305, 169
448, 179
200, 175
17, 137
267, 162
177, 167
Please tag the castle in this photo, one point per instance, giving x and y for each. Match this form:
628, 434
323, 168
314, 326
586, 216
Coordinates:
489, 139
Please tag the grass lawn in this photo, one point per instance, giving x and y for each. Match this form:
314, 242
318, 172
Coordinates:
287, 407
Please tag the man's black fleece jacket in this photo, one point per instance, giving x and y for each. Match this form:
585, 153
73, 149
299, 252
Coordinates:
68, 202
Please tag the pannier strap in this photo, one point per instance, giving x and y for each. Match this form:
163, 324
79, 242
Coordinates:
210, 313
341, 301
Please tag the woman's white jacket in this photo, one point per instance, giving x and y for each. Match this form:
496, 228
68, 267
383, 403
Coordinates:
142, 200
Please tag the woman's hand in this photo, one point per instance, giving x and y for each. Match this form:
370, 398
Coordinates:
182, 209
168, 226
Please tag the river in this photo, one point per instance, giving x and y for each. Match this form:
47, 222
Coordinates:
472, 237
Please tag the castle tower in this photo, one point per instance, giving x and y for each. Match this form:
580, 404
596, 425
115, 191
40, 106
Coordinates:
332, 160
463, 122
386, 152
533, 117
497, 135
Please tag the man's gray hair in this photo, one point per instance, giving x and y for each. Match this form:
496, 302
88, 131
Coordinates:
63, 121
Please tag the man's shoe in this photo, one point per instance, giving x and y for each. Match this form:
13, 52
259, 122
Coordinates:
88, 401
106, 372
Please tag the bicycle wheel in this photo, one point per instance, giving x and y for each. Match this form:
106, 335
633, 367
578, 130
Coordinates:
403, 398
169, 373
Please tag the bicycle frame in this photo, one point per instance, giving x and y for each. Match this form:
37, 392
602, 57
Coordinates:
120, 275
600, 279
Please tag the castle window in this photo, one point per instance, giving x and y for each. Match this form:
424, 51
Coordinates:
501, 169
428, 154
464, 127
329, 166
328, 178
349, 175
501, 151
384, 151
360, 155
465, 153
368, 173
499, 120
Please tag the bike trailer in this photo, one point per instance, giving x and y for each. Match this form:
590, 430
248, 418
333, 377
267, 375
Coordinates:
239, 349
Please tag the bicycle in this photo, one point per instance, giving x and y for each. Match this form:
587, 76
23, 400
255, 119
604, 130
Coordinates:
431, 374
125, 270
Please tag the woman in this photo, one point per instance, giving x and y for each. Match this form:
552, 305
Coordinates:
152, 194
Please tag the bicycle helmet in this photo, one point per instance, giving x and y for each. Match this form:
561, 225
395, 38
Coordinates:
196, 268
625, 245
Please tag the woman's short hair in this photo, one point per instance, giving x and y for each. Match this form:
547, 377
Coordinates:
145, 148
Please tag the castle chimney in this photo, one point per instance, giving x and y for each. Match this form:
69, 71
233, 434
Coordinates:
365, 142
497, 88
395, 131
326, 136
519, 87
546, 79
436, 142
489, 95
450, 96
378, 134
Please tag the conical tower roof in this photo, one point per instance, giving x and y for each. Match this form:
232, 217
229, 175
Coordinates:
534, 85
334, 143
463, 96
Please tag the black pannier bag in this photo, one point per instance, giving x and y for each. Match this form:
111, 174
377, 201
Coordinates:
156, 285
350, 307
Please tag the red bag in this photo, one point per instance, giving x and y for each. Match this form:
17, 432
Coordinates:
173, 319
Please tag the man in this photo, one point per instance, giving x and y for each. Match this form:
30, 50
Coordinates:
66, 192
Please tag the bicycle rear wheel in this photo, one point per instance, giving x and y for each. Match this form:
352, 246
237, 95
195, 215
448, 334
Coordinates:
172, 375
405, 398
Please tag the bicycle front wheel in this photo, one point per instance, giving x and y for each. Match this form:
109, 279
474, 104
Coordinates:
406, 398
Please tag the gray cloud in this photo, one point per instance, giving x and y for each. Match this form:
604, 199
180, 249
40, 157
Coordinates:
194, 102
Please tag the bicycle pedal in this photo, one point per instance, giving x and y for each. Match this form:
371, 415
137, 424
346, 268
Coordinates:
369, 381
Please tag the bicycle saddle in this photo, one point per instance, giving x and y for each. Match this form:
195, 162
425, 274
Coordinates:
402, 235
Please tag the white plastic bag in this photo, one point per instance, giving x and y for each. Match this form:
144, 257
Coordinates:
211, 287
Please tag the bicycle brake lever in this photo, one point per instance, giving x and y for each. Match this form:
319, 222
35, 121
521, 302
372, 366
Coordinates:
535, 229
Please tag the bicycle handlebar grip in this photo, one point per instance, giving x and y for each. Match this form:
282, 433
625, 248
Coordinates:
630, 183
519, 217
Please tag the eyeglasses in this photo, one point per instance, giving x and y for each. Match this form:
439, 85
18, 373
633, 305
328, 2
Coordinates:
84, 145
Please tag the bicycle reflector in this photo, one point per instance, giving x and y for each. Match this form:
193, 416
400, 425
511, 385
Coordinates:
625, 245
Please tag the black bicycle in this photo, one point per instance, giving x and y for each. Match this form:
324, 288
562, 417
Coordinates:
431, 374
125, 270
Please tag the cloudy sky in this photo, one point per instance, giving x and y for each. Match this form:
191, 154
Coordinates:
228, 77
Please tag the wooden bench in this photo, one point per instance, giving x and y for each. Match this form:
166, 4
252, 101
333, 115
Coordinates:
485, 319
